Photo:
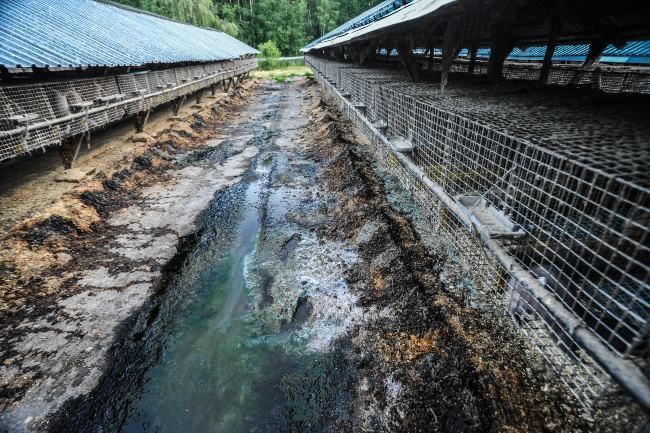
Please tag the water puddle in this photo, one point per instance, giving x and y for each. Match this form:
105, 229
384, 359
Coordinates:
221, 369
239, 347
216, 372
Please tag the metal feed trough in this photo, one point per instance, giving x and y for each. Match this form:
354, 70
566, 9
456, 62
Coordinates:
544, 197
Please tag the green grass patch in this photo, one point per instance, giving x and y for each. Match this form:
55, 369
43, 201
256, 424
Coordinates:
282, 75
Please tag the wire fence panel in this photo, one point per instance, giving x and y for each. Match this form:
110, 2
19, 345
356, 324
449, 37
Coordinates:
609, 79
558, 178
33, 116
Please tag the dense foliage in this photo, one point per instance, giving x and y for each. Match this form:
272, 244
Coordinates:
202, 13
290, 24
270, 53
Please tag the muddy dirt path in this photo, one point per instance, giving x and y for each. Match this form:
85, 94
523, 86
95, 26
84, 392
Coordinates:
267, 278
32, 183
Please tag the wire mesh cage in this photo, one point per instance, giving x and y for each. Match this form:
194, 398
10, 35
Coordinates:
33, 116
559, 179
607, 78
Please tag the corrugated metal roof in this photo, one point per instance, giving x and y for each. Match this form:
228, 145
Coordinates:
90, 33
373, 14
632, 52
407, 10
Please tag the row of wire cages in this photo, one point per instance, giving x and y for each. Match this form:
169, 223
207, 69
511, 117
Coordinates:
560, 175
36, 115
607, 78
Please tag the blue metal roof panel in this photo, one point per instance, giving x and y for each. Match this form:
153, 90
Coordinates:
90, 33
373, 14
633, 52
636, 52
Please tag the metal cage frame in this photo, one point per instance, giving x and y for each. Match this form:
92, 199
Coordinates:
34, 116
551, 223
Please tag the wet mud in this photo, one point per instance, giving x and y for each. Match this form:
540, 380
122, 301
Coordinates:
72, 278
427, 362
304, 298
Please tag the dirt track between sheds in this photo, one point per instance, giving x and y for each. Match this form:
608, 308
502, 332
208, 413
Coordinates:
45, 259
421, 362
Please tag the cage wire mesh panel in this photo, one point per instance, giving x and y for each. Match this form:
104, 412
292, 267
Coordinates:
609, 79
33, 116
561, 176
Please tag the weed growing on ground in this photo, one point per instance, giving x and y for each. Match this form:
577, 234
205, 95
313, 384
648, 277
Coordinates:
281, 75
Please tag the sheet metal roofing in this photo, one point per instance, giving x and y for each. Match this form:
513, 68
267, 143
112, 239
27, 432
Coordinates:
636, 52
633, 52
398, 11
378, 12
91, 33
393, 12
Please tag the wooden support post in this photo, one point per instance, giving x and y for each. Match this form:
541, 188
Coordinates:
548, 61
502, 45
352, 52
502, 41
432, 50
367, 52
556, 29
140, 120
406, 58
199, 95
69, 148
337, 54
451, 42
596, 48
177, 104
472, 56
65, 153
213, 90
228, 85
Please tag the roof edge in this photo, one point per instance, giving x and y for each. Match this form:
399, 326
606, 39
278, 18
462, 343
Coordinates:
142, 11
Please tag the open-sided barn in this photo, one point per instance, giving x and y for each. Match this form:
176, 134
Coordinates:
523, 130
69, 67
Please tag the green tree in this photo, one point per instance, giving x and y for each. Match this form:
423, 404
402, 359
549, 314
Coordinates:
327, 14
290, 24
202, 13
270, 53
282, 21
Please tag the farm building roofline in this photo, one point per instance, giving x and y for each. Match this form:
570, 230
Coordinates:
100, 33
423, 23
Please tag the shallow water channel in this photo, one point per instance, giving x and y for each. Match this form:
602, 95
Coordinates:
216, 371
222, 366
